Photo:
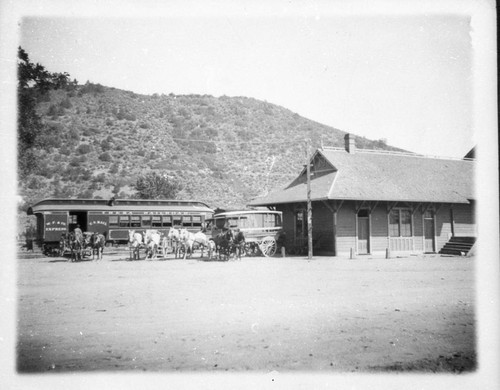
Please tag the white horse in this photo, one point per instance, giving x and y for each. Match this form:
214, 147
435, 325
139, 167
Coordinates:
174, 238
152, 240
189, 239
135, 242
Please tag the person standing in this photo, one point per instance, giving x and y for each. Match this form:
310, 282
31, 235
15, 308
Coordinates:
78, 233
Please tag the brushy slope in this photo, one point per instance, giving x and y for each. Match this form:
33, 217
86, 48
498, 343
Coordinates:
225, 150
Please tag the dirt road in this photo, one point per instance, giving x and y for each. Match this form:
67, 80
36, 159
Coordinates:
259, 314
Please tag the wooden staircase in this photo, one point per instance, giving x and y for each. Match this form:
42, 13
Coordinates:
458, 246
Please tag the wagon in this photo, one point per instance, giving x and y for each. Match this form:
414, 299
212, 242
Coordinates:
261, 229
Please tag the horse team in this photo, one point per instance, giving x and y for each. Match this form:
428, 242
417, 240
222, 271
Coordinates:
183, 242
79, 243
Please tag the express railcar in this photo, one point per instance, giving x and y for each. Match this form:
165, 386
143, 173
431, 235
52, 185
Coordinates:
114, 218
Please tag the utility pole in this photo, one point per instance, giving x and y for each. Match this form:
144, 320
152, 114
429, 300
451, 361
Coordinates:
309, 206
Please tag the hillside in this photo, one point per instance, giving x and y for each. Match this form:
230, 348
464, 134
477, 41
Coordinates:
225, 150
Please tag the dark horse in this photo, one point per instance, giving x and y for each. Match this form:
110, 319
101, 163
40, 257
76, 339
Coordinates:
76, 246
223, 243
97, 242
238, 243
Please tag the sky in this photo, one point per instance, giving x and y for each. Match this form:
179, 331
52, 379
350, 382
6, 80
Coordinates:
400, 74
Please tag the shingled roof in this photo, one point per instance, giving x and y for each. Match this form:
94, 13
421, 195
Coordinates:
379, 176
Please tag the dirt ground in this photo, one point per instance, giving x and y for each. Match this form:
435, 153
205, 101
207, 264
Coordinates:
413, 314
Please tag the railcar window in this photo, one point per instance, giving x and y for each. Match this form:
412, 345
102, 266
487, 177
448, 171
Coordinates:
258, 220
124, 221
135, 221
113, 220
186, 220
167, 221
156, 221
269, 220
196, 221
232, 222
277, 219
177, 220
245, 222
72, 219
146, 220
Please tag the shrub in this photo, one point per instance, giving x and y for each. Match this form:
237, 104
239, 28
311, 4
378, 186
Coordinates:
105, 145
66, 103
105, 157
52, 111
84, 149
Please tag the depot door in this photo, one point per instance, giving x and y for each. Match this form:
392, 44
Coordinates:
429, 236
363, 232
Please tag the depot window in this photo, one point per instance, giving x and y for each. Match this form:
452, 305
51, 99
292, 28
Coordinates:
400, 223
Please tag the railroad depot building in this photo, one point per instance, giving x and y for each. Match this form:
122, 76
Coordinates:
377, 202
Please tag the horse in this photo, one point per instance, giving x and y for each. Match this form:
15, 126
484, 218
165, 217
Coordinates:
189, 239
76, 246
174, 238
152, 240
135, 242
87, 243
64, 244
223, 242
97, 242
239, 243
212, 248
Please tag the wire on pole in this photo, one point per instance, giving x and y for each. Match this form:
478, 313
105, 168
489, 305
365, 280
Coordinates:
309, 205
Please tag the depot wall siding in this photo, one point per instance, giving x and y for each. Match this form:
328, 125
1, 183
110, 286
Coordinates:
460, 221
464, 220
346, 229
322, 218
418, 231
378, 229
443, 226
288, 224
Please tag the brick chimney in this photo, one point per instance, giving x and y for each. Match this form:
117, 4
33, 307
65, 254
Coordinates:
350, 144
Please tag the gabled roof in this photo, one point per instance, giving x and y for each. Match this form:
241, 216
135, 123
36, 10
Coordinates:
379, 176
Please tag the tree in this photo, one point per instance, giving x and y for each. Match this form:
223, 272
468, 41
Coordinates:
155, 185
33, 84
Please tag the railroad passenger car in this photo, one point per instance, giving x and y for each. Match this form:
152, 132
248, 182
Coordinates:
114, 218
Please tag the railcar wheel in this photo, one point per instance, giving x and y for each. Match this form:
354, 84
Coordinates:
268, 246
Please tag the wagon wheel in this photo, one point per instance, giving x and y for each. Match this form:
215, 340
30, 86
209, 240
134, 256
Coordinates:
268, 246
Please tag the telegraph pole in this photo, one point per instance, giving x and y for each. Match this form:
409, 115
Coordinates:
309, 206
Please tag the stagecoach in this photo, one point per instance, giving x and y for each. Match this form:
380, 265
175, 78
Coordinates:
113, 218
261, 228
